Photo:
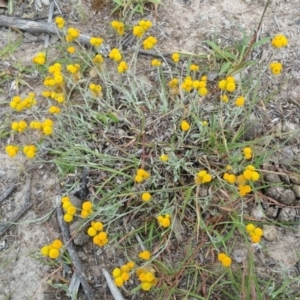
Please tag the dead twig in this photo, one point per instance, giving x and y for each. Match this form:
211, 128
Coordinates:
7, 193
72, 252
50, 16
21, 212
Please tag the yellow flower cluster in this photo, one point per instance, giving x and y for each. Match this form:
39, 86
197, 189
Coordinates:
98, 59
164, 157
40, 58
202, 177
247, 151
145, 255
255, 233
149, 42
249, 174
19, 126
95, 231
184, 125
146, 197
73, 68
147, 278
18, 104
194, 68
87, 209
176, 57
164, 221
96, 89
279, 41
227, 84
96, 41
35, 125
140, 29
230, 178
71, 49
155, 63
60, 22
11, 150
52, 250
276, 68
240, 101
54, 110
118, 26
122, 67
224, 259
29, 151
69, 209
141, 175
115, 54
121, 275
72, 34
47, 127
200, 85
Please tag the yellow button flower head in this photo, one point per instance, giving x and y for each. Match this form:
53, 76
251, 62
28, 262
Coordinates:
115, 54
138, 31
176, 57
240, 101
71, 49
276, 68
60, 22
224, 98
227, 84
279, 41
54, 110
173, 83
244, 190
97, 225
149, 42
224, 259
100, 239
118, 26
247, 152
230, 178
45, 250
92, 231
40, 58
122, 67
146, 197
164, 221
185, 126
255, 238
164, 157
98, 59
141, 175
73, 33
203, 177
250, 227
57, 244
145, 24
155, 63
194, 67
187, 84
30, 151
11, 150
145, 255
96, 41
53, 253
68, 218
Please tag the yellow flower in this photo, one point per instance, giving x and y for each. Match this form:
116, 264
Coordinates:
250, 227
224, 98
54, 110
71, 49
68, 218
185, 126
230, 178
244, 190
57, 244
11, 150
96, 41
87, 205
30, 151
247, 152
40, 58
115, 54
173, 83
72, 34
141, 175
60, 22
164, 221
45, 250
164, 157
187, 84
230, 87
119, 281
156, 63
116, 272
176, 57
97, 225
224, 259
53, 253
194, 67
100, 239
240, 101
118, 26
203, 177
145, 24
202, 91
92, 231
149, 43
146, 197
71, 210
279, 41
145, 255
138, 31
98, 59
276, 68
122, 67
258, 231
255, 238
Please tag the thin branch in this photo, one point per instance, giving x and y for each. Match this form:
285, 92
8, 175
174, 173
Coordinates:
72, 252
7, 193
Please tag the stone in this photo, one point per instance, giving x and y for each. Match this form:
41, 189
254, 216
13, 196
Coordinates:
287, 197
295, 178
287, 214
271, 177
275, 192
81, 239
296, 190
270, 232
258, 212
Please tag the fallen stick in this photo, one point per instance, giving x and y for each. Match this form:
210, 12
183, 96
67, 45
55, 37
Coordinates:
114, 290
72, 252
7, 193
21, 212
